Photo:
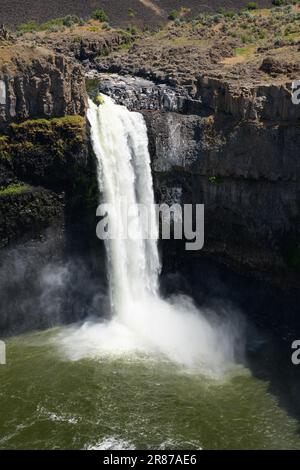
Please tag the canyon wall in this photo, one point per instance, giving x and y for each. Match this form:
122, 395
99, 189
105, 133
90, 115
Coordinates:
237, 152
43, 139
233, 149
48, 194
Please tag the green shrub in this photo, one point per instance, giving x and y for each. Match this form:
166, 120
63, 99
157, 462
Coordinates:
49, 25
217, 18
99, 15
262, 35
56, 24
70, 20
252, 6
54, 28
246, 38
132, 29
131, 12
173, 15
106, 26
28, 27
229, 14
288, 30
277, 3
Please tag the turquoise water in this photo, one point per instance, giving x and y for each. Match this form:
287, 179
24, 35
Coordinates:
50, 402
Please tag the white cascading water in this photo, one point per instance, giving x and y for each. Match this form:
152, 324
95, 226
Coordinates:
142, 322
121, 146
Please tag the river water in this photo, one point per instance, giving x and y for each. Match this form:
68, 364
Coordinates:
50, 401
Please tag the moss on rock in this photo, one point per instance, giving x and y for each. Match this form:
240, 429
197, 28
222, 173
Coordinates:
16, 188
45, 152
99, 100
4, 148
68, 128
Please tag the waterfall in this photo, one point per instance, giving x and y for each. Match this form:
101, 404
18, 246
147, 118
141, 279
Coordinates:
120, 143
141, 322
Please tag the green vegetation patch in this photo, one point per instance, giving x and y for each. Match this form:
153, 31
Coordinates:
92, 86
99, 100
215, 180
56, 24
131, 12
59, 24
48, 129
173, 15
99, 15
4, 148
59, 135
245, 51
17, 188
252, 6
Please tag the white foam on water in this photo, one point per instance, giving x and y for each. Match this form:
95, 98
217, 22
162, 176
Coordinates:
110, 443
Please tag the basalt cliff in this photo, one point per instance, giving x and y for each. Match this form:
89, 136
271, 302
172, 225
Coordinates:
221, 148
223, 131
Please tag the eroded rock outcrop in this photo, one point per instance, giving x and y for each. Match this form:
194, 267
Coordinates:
36, 83
262, 102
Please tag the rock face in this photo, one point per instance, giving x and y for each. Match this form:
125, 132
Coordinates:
91, 45
48, 193
223, 150
141, 94
39, 84
251, 197
43, 139
28, 212
47, 173
48, 199
251, 102
274, 67
221, 146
